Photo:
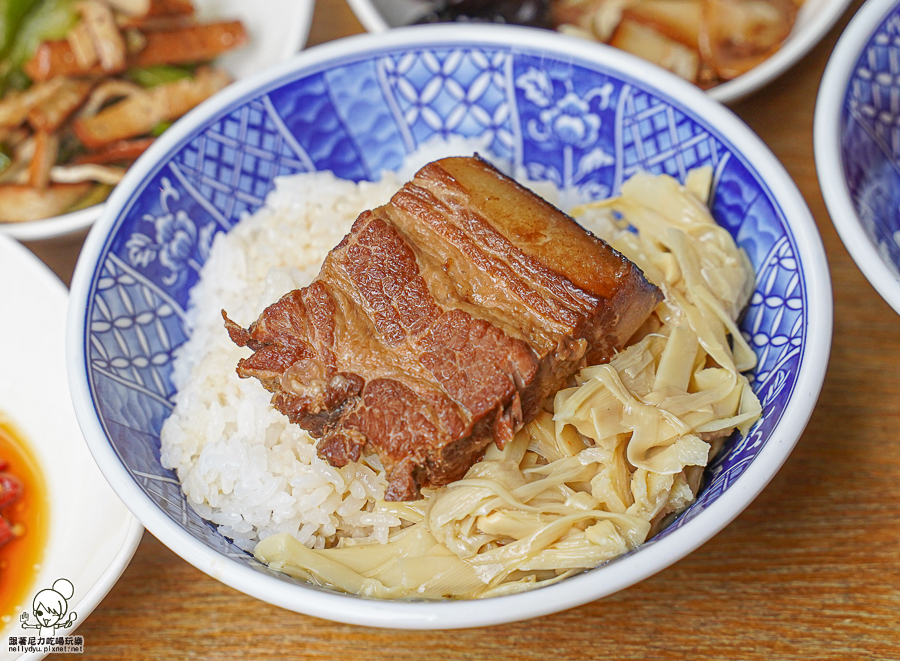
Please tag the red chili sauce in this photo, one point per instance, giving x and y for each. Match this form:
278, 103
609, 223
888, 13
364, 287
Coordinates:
25, 510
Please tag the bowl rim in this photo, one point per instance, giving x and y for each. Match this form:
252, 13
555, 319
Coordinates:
794, 48
827, 148
48, 228
575, 590
74, 221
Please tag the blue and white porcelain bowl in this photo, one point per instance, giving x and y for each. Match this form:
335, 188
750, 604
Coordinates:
357, 107
857, 143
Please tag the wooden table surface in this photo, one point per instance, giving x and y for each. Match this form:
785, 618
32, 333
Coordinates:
811, 570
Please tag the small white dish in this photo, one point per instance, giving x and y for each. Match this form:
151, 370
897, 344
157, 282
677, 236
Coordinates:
91, 535
814, 19
278, 29
855, 140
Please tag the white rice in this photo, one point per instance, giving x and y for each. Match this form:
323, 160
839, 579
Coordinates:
242, 465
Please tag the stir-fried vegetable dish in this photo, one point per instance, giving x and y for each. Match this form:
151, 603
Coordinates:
85, 88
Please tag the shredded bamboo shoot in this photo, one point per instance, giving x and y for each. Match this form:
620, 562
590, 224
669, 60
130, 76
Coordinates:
596, 474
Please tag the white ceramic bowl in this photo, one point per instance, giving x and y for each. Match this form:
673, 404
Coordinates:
277, 28
814, 19
856, 144
92, 535
357, 107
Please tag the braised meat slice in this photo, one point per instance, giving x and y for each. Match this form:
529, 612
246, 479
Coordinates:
441, 323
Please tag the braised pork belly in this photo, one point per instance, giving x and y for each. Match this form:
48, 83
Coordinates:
441, 323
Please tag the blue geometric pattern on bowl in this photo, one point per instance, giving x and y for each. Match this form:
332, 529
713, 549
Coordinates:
583, 127
870, 139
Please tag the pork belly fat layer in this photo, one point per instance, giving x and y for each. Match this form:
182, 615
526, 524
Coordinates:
441, 323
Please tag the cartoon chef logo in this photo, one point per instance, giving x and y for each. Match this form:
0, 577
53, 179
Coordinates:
50, 607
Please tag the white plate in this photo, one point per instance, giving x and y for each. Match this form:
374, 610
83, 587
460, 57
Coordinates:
814, 19
91, 536
277, 29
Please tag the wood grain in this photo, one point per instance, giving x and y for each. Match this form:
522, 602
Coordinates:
811, 570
